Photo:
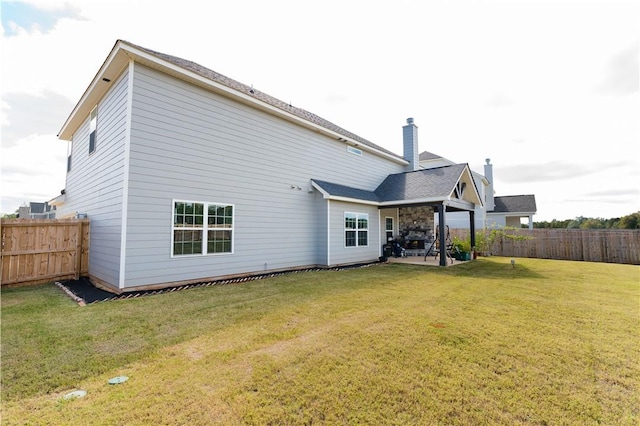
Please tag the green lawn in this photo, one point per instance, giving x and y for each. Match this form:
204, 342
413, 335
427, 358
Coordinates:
546, 342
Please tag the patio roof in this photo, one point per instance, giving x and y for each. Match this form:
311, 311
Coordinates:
452, 185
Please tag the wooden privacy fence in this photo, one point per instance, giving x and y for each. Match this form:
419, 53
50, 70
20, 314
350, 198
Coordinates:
591, 245
42, 250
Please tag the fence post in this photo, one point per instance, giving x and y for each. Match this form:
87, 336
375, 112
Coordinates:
78, 250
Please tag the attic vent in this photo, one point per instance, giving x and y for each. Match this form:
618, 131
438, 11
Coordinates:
354, 150
459, 190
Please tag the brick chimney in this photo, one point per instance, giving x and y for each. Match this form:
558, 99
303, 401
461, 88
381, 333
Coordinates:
488, 174
410, 144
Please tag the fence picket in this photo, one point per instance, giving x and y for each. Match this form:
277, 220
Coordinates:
592, 245
41, 250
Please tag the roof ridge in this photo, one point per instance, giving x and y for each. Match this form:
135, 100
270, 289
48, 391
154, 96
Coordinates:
431, 168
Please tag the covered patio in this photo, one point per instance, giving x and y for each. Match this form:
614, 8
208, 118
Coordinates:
408, 202
422, 261
419, 196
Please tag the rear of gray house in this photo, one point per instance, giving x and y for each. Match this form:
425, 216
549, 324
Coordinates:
188, 175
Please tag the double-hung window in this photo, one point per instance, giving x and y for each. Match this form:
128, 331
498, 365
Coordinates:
388, 227
356, 229
93, 126
202, 228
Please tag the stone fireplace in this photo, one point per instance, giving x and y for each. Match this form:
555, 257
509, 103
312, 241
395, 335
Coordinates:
416, 226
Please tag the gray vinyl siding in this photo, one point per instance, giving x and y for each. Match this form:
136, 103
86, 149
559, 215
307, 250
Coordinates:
339, 253
322, 223
94, 185
188, 143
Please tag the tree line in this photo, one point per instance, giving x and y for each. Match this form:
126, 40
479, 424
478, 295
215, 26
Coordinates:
631, 221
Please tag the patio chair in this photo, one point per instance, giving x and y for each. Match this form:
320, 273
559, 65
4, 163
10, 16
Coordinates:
434, 249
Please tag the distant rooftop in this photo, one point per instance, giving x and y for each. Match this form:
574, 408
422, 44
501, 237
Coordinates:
515, 204
426, 155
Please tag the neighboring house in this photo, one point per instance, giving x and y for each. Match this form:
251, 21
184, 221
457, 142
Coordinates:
502, 211
510, 209
188, 175
37, 211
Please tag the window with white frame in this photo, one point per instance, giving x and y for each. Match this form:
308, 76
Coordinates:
202, 228
356, 229
93, 126
388, 227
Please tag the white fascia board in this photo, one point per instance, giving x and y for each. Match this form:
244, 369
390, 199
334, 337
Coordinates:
179, 72
510, 213
356, 201
112, 67
324, 193
448, 202
328, 196
460, 204
113, 60
244, 98
480, 177
469, 173
353, 200
431, 200
57, 201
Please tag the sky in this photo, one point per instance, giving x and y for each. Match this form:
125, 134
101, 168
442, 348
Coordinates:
548, 90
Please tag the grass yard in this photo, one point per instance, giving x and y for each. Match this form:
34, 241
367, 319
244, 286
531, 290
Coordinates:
546, 342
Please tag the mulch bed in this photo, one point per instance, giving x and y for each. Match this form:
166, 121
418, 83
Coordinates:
84, 292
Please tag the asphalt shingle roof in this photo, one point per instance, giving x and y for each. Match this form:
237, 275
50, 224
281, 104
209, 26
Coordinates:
436, 183
420, 184
338, 190
515, 203
268, 99
426, 155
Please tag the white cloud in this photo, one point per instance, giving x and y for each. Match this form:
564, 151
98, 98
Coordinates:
32, 170
368, 65
623, 72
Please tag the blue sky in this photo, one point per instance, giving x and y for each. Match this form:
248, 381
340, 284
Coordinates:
549, 90
18, 15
